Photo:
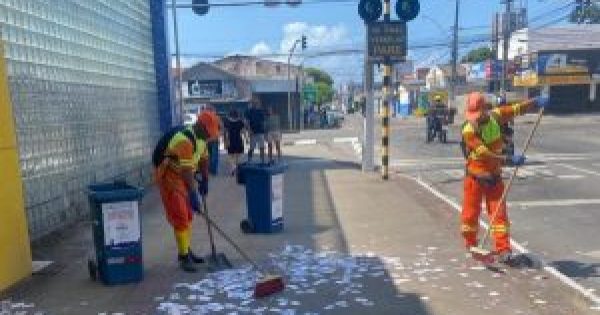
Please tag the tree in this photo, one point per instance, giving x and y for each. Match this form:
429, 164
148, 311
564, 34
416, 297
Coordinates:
324, 93
323, 84
477, 55
589, 14
319, 76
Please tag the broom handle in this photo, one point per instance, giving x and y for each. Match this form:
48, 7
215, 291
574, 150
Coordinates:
213, 249
511, 180
230, 241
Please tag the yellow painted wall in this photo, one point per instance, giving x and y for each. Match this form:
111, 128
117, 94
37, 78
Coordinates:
15, 253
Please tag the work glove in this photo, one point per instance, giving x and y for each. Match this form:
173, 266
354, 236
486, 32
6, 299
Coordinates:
195, 201
518, 160
541, 101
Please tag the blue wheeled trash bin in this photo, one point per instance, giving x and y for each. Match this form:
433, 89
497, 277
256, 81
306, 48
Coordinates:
264, 197
117, 233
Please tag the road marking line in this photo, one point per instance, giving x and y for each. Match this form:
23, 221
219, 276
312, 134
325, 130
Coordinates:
579, 169
345, 140
570, 176
520, 248
593, 254
305, 142
555, 203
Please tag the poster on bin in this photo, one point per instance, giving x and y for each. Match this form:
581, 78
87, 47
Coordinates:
277, 197
121, 223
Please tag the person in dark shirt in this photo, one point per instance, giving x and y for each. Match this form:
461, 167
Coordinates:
234, 127
255, 121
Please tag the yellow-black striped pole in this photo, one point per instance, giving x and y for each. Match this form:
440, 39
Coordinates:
385, 119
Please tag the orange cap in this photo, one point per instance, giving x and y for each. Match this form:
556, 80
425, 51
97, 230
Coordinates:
475, 106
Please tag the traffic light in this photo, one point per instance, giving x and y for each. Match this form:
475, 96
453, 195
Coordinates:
370, 10
304, 42
407, 10
200, 7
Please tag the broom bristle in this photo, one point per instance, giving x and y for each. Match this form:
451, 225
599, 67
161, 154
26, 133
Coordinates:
269, 285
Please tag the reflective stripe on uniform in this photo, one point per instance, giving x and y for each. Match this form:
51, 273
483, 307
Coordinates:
479, 151
468, 228
198, 154
499, 228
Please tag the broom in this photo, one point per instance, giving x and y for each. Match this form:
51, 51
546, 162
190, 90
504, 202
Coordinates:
480, 252
270, 283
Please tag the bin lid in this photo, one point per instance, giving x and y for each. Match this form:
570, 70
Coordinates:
270, 169
115, 191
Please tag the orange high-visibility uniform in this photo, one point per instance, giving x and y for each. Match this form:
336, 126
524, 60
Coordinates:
483, 178
173, 189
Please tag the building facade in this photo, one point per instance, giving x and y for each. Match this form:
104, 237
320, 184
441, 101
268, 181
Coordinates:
233, 81
563, 62
253, 67
206, 84
89, 94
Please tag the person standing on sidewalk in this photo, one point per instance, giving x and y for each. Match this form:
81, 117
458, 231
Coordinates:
255, 120
234, 127
484, 142
213, 125
179, 188
273, 134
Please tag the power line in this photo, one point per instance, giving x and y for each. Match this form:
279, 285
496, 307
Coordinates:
268, 4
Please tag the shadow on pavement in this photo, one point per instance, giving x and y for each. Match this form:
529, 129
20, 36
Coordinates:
324, 276
575, 269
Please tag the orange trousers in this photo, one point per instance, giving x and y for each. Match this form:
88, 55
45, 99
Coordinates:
177, 207
474, 192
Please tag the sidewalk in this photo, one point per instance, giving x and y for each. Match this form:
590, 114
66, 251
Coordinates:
351, 245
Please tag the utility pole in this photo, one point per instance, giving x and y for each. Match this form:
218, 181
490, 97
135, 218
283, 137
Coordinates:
506, 30
368, 150
452, 96
301, 95
289, 101
495, 42
179, 92
385, 120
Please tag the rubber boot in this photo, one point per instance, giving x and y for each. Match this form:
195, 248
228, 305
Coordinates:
186, 263
195, 259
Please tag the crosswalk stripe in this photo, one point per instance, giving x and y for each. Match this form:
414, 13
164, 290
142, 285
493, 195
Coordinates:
555, 203
579, 169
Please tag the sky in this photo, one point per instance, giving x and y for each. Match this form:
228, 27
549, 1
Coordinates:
261, 30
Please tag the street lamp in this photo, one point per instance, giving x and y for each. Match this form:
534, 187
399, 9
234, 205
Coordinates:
301, 41
200, 7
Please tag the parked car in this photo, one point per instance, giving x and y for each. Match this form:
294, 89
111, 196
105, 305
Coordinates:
334, 118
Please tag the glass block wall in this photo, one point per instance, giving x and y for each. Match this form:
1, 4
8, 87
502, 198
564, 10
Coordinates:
84, 95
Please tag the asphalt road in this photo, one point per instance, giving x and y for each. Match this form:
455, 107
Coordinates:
554, 204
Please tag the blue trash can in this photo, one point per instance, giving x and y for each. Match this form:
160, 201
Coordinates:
264, 197
117, 233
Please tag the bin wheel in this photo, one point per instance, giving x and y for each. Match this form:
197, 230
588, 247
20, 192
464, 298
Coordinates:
246, 227
93, 270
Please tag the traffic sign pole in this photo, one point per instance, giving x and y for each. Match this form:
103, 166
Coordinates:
387, 44
385, 120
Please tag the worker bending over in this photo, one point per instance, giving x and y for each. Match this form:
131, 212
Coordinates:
182, 178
